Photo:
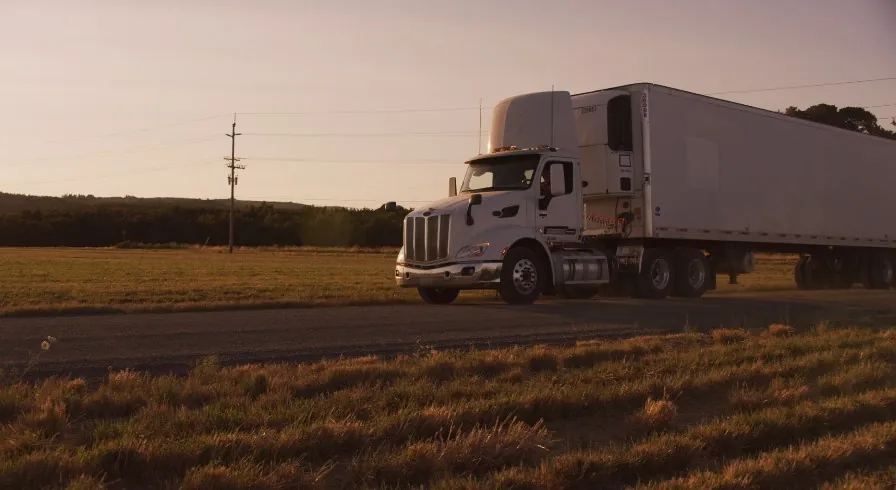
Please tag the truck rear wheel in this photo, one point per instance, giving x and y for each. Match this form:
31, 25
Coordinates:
691, 273
522, 276
438, 296
657, 276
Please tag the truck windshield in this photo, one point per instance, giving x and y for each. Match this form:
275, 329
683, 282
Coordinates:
512, 172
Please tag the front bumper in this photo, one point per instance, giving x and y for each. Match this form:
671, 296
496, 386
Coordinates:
467, 275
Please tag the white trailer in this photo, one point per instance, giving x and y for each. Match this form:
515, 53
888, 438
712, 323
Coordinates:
653, 191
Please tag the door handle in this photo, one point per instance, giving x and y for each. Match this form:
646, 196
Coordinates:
542, 214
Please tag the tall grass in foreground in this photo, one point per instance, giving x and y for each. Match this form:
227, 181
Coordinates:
730, 409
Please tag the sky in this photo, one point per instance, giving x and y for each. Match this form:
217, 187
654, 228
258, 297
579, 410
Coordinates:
126, 97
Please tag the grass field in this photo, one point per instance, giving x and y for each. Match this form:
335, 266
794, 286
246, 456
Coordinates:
59, 280
729, 409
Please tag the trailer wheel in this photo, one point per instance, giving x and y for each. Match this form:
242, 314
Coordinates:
799, 272
438, 296
879, 273
811, 273
844, 275
522, 276
657, 277
692, 272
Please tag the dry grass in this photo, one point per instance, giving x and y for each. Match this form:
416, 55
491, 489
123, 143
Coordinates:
95, 280
680, 411
88, 280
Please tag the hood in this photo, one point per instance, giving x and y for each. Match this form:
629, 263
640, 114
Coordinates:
459, 202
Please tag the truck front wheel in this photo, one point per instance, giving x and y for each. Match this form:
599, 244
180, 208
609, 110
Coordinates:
438, 296
522, 277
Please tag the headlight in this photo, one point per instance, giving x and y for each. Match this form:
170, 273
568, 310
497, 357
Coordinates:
472, 251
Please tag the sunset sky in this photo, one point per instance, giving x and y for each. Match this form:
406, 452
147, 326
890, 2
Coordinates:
123, 97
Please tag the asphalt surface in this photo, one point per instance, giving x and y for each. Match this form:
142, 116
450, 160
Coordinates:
171, 342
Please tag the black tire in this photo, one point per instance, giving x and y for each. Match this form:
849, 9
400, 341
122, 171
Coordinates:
522, 277
799, 272
812, 274
691, 270
657, 277
438, 296
880, 272
845, 275
577, 291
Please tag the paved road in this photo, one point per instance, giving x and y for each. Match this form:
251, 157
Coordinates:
88, 345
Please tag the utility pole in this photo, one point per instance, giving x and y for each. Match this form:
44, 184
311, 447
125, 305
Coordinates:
232, 178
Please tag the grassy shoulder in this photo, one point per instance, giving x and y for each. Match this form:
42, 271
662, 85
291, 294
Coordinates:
772, 408
52, 281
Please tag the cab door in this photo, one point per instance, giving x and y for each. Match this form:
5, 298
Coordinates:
559, 217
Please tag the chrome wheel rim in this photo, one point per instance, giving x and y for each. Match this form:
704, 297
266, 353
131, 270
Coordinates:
659, 273
525, 277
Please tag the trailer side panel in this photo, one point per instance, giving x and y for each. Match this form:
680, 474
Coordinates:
724, 171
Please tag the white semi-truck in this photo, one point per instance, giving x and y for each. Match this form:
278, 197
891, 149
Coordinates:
651, 191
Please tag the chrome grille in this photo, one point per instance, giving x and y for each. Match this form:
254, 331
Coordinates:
426, 238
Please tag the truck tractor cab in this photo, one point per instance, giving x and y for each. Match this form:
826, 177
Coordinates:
517, 213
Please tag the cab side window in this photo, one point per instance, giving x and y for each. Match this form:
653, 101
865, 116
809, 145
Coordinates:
545, 183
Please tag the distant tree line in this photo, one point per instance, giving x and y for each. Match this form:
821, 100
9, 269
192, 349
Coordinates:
255, 225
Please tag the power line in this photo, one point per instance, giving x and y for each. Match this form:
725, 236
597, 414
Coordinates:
442, 109
325, 199
113, 152
375, 111
315, 160
346, 135
802, 86
473, 108
140, 130
121, 174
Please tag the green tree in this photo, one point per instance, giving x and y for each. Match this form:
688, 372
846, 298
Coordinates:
851, 118
260, 224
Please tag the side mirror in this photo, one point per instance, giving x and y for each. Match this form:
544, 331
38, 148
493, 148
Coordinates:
475, 200
452, 187
558, 183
